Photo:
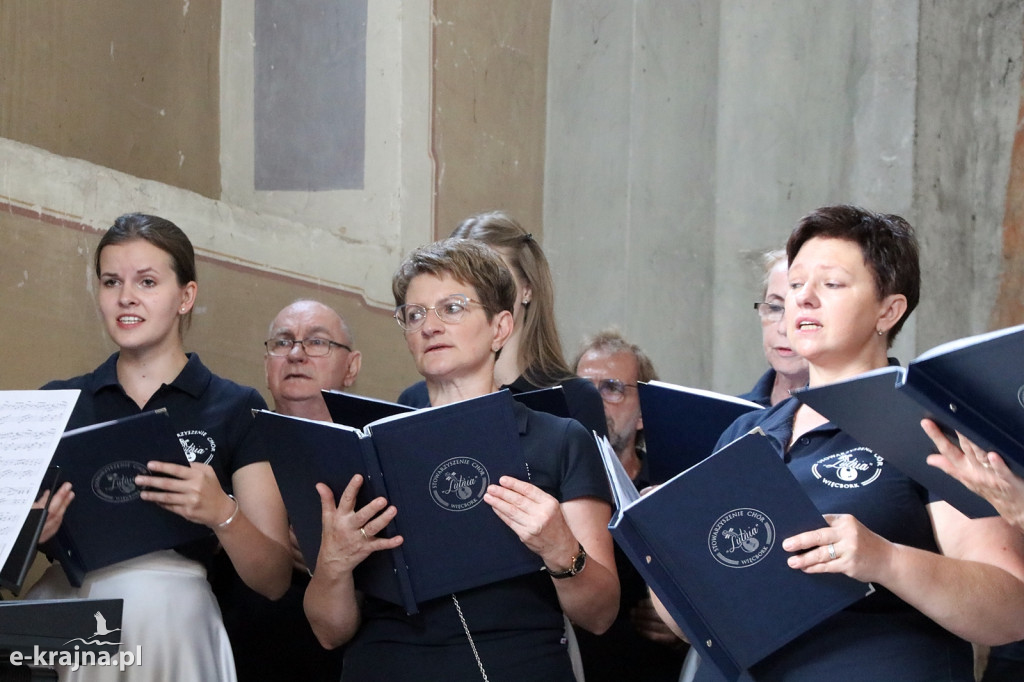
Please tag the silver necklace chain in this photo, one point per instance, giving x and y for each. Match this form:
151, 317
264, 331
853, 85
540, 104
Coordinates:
462, 618
472, 644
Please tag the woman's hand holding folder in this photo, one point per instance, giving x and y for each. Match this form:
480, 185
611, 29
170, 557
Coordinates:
350, 535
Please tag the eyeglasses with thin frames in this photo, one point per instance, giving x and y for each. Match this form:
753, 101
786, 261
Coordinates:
612, 390
769, 312
450, 310
314, 348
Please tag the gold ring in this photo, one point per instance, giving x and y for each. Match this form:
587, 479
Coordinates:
363, 531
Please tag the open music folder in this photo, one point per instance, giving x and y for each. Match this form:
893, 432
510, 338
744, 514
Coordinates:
973, 385
682, 424
357, 411
108, 521
709, 544
434, 465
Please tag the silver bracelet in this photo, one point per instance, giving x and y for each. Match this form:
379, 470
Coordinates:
227, 522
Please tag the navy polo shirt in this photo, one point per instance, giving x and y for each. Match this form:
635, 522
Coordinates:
212, 417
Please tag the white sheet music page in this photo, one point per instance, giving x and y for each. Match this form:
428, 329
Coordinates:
31, 424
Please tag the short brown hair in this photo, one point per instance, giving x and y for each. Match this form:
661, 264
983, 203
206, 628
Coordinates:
887, 242
469, 262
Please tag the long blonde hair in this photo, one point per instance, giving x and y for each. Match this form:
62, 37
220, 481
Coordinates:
540, 351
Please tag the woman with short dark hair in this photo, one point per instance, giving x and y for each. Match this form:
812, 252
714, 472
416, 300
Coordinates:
942, 580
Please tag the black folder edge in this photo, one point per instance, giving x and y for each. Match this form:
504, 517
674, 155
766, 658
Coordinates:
664, 460
551, 400
947, 408
343, 406
23, 552
378, 488
53, 625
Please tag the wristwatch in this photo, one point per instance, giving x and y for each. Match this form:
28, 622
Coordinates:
579, 560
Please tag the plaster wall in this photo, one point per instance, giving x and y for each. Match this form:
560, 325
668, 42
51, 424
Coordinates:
758, 113
85, 135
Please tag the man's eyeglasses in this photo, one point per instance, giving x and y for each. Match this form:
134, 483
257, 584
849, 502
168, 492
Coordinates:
612, 390
314, 348
769, 312
450, 310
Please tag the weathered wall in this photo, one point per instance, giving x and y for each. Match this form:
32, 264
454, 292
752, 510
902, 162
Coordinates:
685, 138
127, 88
968, 98
671, 143
127, 85
629, 200
489, 83
47, 284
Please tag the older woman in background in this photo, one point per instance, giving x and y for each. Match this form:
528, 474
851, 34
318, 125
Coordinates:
787, 370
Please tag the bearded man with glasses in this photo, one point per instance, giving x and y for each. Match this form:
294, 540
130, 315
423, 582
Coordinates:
638, 645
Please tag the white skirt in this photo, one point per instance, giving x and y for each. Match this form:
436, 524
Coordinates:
170, 616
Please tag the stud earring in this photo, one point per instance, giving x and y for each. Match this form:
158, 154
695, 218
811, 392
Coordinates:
880, 332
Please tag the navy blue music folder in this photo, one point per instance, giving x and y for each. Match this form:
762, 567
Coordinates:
434, 465
108, 521
973, 385
709, 544
682, 425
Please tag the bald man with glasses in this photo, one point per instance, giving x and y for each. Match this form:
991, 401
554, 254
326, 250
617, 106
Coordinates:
309, 348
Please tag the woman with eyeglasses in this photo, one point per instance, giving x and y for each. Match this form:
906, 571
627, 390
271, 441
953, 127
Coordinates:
532, 357
146, 274
942, 580
454, 303
787, 370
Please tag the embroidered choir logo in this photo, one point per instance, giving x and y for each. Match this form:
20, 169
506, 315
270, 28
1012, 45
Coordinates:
741, 537
459, 484
115, 482
854, 468
198, 446
101, 648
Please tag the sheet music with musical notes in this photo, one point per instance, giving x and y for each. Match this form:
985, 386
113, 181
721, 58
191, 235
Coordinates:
31, 424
